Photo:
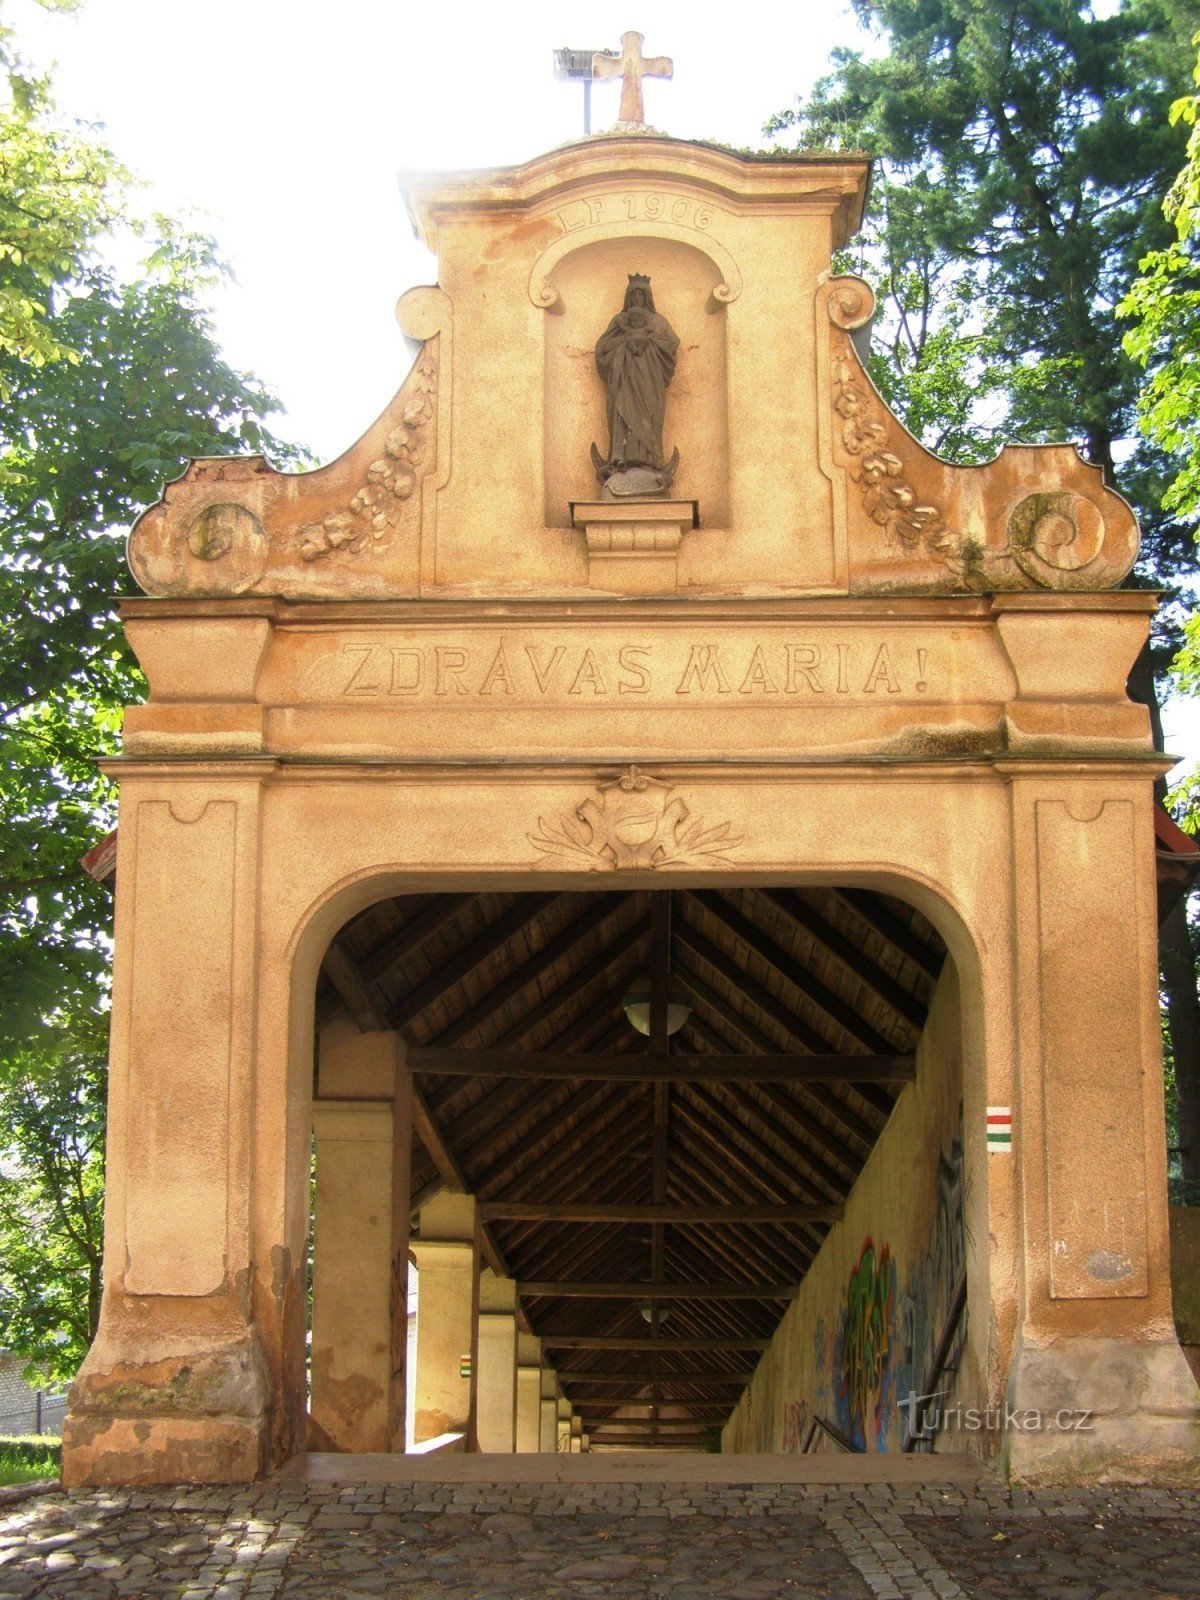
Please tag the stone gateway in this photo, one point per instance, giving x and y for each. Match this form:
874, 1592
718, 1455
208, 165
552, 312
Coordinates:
723, 902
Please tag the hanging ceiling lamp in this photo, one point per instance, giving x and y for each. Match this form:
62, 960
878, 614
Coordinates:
647, 1310
637, 1006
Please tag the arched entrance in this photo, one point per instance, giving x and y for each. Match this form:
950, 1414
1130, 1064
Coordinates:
593, 1153
404, 676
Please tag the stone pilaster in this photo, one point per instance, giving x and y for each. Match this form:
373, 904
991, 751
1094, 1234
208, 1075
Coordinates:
447, 1257
1096, 1339
529, 1393
176, 1385
362, 1124
496, 1406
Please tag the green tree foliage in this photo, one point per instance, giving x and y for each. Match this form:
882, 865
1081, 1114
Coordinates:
57, 190
1025, 148
1164, 305
51, 1210
109, 382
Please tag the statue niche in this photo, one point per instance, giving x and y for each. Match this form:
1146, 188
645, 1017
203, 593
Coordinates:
636, 356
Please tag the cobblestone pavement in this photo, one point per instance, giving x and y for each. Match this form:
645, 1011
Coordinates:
290, 1541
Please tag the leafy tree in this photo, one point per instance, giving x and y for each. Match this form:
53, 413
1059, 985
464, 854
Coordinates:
57, 190
51, 1210
1032, 144
109, 382
1164, 303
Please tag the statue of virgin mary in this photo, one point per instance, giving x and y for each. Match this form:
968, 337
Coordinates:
636, 357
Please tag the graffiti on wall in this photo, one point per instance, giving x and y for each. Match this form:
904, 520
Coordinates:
865, 1335
794, 1428
933, 1310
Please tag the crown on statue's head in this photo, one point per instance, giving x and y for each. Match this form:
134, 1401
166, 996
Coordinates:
638, 280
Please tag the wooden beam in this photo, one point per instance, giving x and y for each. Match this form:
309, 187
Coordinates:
721, 962
528, 973
437, 1062
598, 967
726, 1399
679, 1216
602, 1375
701, 1413
792, 971
892, 930
443, 1157
665, 1347
594, 1109
570, 1290
352, 991
663, 1442
399, 945
741, 1027
444, 977
782, 1254
893, 995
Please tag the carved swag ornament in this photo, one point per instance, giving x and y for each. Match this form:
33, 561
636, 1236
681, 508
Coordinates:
632, 821
370, 519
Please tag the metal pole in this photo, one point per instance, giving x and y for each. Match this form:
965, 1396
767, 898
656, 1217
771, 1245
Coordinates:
38, 1402
587, 107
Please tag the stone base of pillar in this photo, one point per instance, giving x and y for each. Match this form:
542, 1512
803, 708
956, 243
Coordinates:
1086, 1410
196, 1415
141, 1451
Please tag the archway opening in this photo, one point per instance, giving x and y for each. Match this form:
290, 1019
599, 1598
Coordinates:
752, 1233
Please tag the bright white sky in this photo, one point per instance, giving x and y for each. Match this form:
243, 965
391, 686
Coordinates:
284, 124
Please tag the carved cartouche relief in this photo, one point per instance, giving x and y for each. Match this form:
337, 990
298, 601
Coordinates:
631, 821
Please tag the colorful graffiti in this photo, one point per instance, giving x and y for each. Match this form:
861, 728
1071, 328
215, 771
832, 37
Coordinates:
866, 1332
933, 1312
795, 1426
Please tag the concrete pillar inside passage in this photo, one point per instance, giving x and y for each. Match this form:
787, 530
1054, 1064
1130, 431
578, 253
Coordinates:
362, 1127
562, 1426
529, 1394
447, 1256
548, 1429
496, 1403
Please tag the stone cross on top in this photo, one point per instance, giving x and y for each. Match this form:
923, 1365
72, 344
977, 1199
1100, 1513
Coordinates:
632, 66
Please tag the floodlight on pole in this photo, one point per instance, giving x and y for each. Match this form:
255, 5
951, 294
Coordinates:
575, 66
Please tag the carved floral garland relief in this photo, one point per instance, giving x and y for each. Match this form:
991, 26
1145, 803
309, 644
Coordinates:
632, 821
888, 496
1054, 537
370, 519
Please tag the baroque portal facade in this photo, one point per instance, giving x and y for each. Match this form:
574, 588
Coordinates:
796, 649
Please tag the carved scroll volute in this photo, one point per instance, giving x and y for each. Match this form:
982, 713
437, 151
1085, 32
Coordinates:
850, 302
1037, 516
207, 535
231, 526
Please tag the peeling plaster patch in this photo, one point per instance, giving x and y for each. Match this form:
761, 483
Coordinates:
1108, 1265
281, 1273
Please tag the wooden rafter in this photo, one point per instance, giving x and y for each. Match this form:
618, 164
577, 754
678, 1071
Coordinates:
830, 1005
648, 1068
892, 994
661, 1291
529, 972
445, 976
677, 1215
893, 930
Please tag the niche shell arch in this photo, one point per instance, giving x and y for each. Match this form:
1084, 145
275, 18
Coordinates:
588, 283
